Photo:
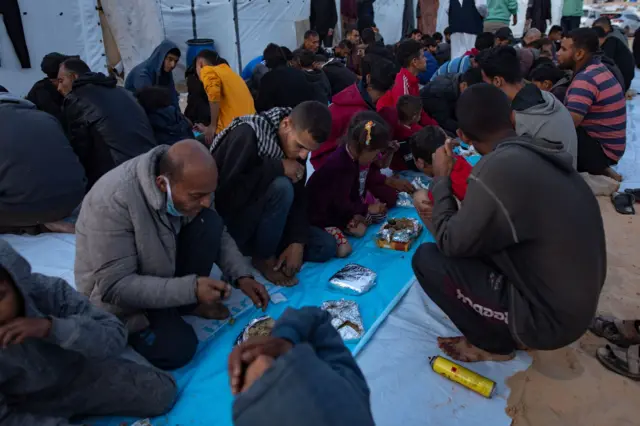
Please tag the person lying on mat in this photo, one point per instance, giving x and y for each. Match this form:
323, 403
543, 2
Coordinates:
262, 195
147, 239
59, 355
522, 261
340, 201
302, 374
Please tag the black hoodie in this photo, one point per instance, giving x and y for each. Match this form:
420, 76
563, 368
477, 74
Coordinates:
543, 230
105, 124
321, 85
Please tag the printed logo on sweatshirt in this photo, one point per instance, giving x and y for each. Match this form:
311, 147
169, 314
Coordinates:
483, 310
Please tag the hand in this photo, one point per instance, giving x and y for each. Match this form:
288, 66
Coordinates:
16, 331
515, 20
425, 211
377, 208
400, 185
245, 353
210, 291
293, 170
443, 159
209, 134
290, 261
199, 127
256, 292
330, 32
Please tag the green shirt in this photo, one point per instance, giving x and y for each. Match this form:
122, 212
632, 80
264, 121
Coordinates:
501, 10
572, 8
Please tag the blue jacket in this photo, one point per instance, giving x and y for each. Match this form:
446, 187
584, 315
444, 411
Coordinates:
457, 65
150, 73
247, 71
317, 383
432, 67
169, 125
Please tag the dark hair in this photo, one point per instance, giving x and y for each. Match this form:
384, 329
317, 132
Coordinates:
381, 72
357, 134
408, 107
305, 57
600, 31
424, 143
51, 63
313, 117
287, 52
428, 41
501, 61
345, 44
602, 21
311, 33
368, 36
350, 28
152, 98
407, 51
76, 66
485, 41
476, 120
211, 57
472, 76
437, 37
540, 62
414, 32
447, 31
274, 56
539, 44
585, 38
547, 72
174, 51
556, 28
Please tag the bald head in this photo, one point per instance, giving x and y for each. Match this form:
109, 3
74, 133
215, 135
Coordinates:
191, 173
532, 35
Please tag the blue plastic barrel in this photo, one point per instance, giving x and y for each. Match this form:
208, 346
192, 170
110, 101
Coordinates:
196, 45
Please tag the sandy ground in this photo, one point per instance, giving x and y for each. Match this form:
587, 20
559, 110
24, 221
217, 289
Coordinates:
569, 386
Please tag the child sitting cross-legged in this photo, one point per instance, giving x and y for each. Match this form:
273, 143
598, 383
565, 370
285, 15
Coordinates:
423, 145
339, 197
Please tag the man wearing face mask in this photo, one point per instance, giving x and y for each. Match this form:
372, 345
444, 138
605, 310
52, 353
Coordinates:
262, 195
147, 239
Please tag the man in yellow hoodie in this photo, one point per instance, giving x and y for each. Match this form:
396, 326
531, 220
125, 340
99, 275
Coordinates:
228, 94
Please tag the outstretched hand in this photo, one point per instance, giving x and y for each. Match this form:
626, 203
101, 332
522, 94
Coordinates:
255, 291
18, 330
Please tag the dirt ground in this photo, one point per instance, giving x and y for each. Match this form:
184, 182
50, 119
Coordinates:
569, 387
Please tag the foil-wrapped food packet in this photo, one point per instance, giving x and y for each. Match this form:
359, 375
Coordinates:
421, 182
353, 279
261, 326
405, 200
345, 317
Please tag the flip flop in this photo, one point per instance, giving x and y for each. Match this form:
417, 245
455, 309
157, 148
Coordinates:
624, 361
635, 192
623, 202
611, 328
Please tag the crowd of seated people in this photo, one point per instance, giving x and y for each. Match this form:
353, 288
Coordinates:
157, 196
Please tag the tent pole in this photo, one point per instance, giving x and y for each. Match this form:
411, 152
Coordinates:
193, 19
237, 28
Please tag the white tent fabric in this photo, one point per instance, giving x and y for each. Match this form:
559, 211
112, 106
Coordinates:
69, 27
388, 18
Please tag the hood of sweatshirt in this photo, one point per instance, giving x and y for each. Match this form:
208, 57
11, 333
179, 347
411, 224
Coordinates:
553, 152
95, 78
313, 76
9, 100
350, 97
20, 271
534, 101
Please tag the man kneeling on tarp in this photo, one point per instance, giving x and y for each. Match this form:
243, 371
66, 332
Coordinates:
58, 357
522, 261
146, 242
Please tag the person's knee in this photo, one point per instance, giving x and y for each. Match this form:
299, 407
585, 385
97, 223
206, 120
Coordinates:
281, 190
162, 393
425, 256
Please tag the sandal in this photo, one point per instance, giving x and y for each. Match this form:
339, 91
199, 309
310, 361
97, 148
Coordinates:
635, 193
624, 361
623, 202
612, 329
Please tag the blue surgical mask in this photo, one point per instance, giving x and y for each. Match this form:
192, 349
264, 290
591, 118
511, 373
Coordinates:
171, 208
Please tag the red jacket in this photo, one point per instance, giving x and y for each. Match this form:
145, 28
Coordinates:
459, 175
406, 84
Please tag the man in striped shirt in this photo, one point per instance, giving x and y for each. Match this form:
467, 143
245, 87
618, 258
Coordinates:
596, 102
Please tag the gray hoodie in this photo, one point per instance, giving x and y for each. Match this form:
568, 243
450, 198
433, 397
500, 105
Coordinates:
541, 115
126, 246
78, 331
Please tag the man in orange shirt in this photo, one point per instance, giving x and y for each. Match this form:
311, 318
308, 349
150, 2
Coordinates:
228, 94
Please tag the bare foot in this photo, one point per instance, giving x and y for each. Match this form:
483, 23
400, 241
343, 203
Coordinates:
61, 227
609, 172
215, 312
267, 268
460, 349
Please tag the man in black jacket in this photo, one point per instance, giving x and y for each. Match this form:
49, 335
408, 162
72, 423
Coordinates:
306, 61
44, 93
620, 54
105, 124
323, 19
340, 77
42, 181
261, 193
440, 96
522, 262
